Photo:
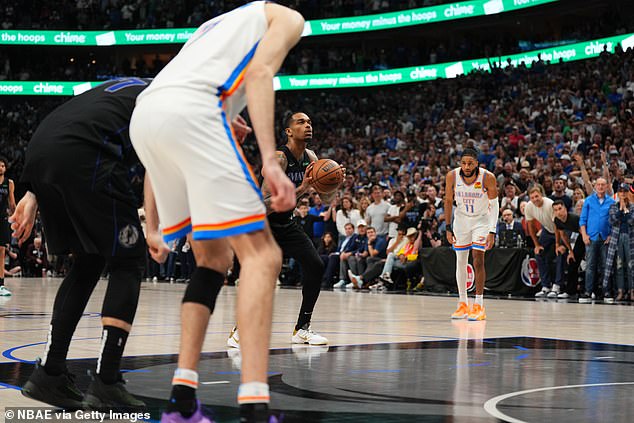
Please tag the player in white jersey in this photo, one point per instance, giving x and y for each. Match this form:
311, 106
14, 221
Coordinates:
474, 192
182, 133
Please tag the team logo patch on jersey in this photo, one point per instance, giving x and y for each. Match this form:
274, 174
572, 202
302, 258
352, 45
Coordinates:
530, 272
477, 185
470, 278
128, 236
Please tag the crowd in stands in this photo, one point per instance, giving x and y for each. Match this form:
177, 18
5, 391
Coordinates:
359, 55
130, 14
551, 131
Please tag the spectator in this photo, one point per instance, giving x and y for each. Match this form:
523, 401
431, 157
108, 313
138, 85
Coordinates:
510, 200
413, 211
376, 253
393, 217
406, 259
318, 210
621, 245
381, 269
356, 260
346, 214
570, 248
595, 230
510, 233
377, 211
364, 203
559, 192
540, 209
36, 258
12, 263
326, 247
307, 220
344, 251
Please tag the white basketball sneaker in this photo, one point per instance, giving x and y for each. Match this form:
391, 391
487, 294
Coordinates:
307, 336
234, 339
4, 292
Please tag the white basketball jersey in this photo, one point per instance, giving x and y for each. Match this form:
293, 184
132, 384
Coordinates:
471, 200
214, 59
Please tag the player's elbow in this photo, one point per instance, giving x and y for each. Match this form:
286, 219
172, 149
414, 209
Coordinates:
258, 72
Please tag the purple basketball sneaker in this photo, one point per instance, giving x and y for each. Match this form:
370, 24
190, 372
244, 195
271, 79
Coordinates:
176, 417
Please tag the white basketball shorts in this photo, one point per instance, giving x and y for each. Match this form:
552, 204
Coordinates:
470, 232
201, 180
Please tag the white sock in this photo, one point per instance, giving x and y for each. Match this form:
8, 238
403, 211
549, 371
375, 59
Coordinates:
185, 377
253, 392
479, 299
462, 259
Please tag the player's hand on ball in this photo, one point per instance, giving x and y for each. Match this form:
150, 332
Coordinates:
23, 219
308, 179
281, 188
157, 246
240, 128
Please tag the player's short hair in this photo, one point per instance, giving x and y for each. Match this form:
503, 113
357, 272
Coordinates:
471, 152
536, 187
289, 119
4, 160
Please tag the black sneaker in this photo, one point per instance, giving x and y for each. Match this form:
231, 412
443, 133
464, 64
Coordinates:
59, 391
585, 298
258, 413
103, 397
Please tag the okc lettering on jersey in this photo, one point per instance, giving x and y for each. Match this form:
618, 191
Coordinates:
466, 195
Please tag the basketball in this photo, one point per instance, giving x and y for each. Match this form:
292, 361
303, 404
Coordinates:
327, 175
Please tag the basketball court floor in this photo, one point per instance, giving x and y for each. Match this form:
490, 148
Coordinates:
391, 358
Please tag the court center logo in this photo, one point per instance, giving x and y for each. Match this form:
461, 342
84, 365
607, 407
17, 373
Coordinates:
470, 278
530, 272
128, 236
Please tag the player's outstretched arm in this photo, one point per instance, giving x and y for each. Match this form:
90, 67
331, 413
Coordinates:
284, 31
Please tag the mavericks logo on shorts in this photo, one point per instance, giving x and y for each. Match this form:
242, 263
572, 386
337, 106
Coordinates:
470, 278
128, 236
530, 272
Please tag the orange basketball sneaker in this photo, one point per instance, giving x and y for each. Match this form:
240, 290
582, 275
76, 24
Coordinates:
477, 313
461, 312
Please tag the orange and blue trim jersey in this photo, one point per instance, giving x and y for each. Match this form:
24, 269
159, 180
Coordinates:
471, 199
213, 61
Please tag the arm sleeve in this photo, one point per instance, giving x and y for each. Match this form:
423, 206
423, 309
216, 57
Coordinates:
494, 213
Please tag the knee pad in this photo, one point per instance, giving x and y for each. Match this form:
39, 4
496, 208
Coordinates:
124, 286
203, 288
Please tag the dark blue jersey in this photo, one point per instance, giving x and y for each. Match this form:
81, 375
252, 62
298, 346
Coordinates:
85, 142
295, 171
